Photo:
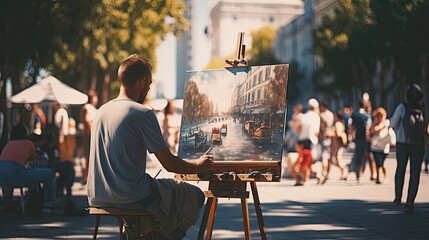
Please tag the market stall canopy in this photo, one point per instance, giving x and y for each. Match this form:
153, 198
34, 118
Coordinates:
50, 90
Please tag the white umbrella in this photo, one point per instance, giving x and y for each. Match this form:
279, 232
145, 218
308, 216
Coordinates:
50, 90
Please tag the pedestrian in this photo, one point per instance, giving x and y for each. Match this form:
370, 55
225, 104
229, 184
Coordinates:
339, 141
39, 119
301, 169
408, 123
358, 132
291, 136
308, 129
347, 113
369, 157
123, 131
88, 113
171, 126
325, 141
382, 137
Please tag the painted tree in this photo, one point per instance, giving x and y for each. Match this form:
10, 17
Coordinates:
276, 89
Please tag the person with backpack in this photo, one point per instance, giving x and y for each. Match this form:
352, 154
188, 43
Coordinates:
408, 123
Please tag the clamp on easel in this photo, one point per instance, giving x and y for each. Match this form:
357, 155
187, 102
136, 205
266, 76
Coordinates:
232, 184
240, 60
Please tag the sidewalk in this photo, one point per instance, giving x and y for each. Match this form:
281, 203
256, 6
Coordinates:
336, 210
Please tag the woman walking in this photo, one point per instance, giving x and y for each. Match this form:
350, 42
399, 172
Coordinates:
339, 140
381, 138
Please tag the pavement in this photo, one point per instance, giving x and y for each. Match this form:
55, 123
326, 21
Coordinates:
336, 210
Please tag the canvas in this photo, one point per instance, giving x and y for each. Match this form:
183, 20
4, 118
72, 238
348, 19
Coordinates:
234, 115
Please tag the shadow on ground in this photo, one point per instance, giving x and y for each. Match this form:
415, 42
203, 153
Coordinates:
48, 226
336, 219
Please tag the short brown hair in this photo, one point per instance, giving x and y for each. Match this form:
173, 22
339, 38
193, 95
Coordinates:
133, 69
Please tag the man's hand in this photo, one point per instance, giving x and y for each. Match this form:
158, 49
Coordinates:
205, 163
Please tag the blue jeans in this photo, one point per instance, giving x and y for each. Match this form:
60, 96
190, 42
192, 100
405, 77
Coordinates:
415, 154
14, 175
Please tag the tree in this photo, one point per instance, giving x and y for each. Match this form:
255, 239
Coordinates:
80, 40
262, 44
365, 40
343, 42
116, 29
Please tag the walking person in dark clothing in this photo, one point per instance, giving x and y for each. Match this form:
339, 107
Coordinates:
359, 130
408, 123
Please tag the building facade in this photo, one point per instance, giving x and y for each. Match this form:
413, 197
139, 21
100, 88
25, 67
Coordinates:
294, 43
184, 52
250, 97
229, 17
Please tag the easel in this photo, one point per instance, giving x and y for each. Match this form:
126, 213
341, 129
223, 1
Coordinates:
225, 182
231, 189
229, 179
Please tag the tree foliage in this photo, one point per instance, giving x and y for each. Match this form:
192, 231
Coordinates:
365, 39
262, 44
81, 42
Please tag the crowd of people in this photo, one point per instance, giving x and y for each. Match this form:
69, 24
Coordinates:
316, 139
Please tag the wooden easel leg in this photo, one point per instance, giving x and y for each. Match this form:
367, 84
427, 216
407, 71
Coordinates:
121, 227
205, 218
97, 223
258, 210
211, 219
246, 223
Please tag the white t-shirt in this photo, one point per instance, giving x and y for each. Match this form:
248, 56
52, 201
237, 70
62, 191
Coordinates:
122, 131
310, 125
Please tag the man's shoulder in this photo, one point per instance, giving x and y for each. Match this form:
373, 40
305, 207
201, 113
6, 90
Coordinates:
134, 107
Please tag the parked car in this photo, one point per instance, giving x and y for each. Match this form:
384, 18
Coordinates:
216, 137
224, 130
262, 135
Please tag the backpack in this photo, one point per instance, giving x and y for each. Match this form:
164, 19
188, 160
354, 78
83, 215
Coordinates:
413, 123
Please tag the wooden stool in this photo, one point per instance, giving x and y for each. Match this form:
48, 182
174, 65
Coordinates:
120, 214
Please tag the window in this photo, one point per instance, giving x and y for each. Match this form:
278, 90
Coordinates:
267, 73
271, 19
260, 76
258, 95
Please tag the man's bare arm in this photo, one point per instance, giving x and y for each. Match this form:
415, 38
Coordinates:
175, 164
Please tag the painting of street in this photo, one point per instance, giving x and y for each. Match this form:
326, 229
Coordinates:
234, 115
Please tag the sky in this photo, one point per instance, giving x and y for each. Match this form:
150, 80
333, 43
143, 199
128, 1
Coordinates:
218, 85
201, 51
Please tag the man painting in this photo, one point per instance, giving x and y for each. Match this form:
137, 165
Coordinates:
122, 131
